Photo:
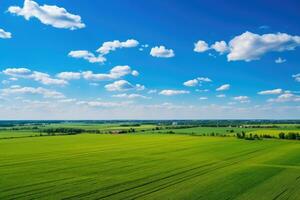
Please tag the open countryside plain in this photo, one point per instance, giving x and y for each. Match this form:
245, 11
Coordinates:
148, 166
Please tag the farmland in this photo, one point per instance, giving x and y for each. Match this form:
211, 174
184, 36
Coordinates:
147, 163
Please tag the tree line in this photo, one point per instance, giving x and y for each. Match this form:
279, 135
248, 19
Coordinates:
281, 135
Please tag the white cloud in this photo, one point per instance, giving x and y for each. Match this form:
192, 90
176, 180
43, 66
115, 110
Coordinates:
196, 81
123, 85
249, 46
201, 46
152, 91
135, 73
203, 98
69, 75
31, 90
16, 71
267, 92
296, 77
103, 104
4, 34
67, 100
223, 87
15, 86
90, 57
115, 73
287, 97
109, 46
191, 83
130, 96
139, 87
34, 75
48, 14
173, 92
242, 99
220, 47
280, 60
13, 79
162, 52
46, 79
204, 90
204, 79
221, 96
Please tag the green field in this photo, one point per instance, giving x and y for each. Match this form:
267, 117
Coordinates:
149, 166
7, 134
206, 130
230, 131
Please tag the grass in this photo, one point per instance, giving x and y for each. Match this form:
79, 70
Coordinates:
149, 166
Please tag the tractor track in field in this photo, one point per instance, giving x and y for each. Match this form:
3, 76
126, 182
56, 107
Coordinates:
45, 189
178, 180
31, 185
182, 179
280, 194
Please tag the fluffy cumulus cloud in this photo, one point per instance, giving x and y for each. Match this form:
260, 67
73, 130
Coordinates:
90, 57
130, 96
173, 92
223, 87
69, 75
46, 93
220, 47
196, 81
48, 14
242, 99
34, 75
4, 34
191, 83
17, 71
123, 85
115, 73
250, 46
296, 77
135, 73
201, 46
106, 48
162, 52
286, 97
274, 91
280, 60
109, 46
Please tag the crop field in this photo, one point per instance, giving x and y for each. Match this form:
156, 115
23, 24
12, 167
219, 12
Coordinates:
206, 130
274, 133
148, 166
6, 134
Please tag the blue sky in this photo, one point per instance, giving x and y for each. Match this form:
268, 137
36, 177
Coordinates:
124, 59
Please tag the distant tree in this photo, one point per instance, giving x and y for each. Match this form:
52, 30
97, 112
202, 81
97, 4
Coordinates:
243, 134
291, 136
281, 135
